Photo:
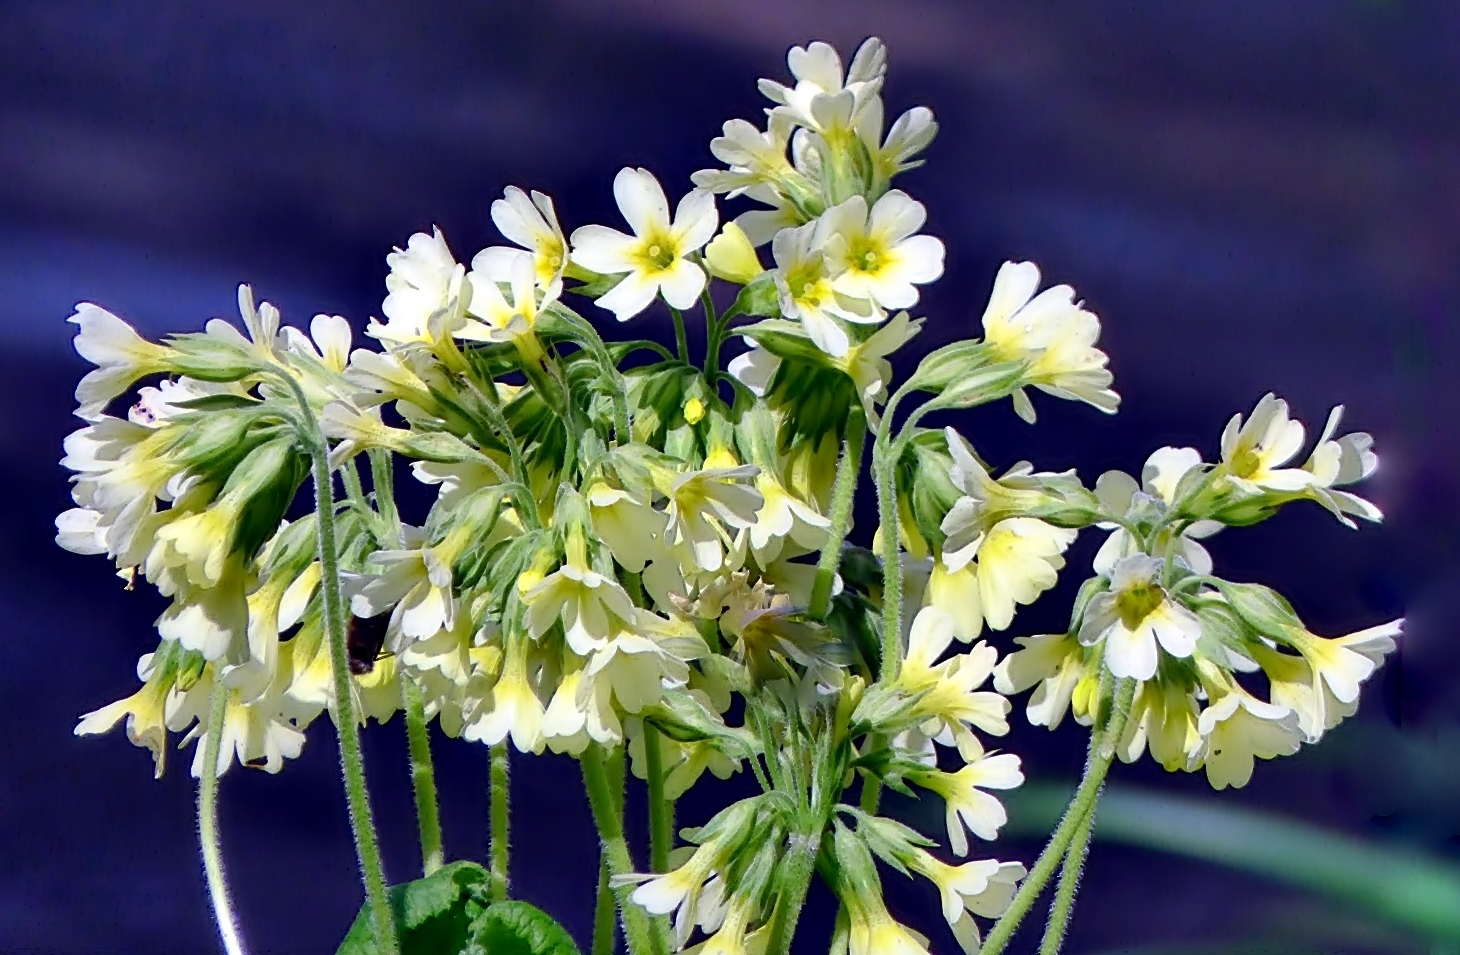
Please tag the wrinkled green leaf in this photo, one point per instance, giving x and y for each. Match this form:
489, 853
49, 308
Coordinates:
433, 916
517, 928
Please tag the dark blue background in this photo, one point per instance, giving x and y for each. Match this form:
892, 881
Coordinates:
1252, 195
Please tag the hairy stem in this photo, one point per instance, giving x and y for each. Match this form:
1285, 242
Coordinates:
1069, 884
605, 918
208, 824
382, 475
1102, 754
608, 817
661, 810
713, 334
352, 763
500, 808
423, 776
843, 495
885, 472
797, 867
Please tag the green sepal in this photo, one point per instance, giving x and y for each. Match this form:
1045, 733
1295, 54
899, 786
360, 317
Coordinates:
217, 403
760, 297
1264, 609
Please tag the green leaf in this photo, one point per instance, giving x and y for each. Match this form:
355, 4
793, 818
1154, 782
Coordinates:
517, 928
216, 403
434, 916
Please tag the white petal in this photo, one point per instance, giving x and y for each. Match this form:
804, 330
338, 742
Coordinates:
641, 200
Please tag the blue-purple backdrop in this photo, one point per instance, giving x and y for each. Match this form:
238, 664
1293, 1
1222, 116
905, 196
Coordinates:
1252, 195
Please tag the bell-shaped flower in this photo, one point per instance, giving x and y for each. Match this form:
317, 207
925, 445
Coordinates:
1238, 728
1135, 618
730, 256
654, 260
145, 710
1336, 462
1053, 334
512, 706
591, 605
808, 294
1254, 452
120, 355
415, 586
529, 220
257, 731
1163, 716
877, 254
632, 529
967, 803
981, 887
1321, 684
783, 517
1053, 661
703, 504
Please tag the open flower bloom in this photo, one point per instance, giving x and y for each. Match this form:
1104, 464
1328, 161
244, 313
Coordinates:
877, 254
145, 710
655, 256
967, 803
589, 603
754, 157
950, 703
1053, 334
1136, 616
783, 517
804, 282
428, 292
257, 729
512, 706
1017, 560
1163, 716
824, 98
533, 225
1254, 452
499, 320
1055, 661
910, 134
981, 887
703, 503
632, 529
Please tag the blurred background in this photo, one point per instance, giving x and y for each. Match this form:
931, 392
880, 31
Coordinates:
1252, 195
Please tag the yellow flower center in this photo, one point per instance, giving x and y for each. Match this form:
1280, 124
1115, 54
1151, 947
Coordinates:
1137, 603
657, 253
1245, 462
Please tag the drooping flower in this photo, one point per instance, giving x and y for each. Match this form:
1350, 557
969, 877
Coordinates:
1136, 618
120, 355
967, 803
1053, 334
654, 259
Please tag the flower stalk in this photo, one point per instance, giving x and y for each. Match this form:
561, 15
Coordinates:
208, 838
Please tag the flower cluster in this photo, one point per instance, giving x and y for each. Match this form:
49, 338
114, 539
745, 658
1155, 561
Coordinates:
628, 553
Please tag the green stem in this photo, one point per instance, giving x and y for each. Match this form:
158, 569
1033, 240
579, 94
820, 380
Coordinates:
661, 810
352, 763
681, 339
208, 839
1102, 754
355, 494
500, 806
382, 475
797, 867
1069, 884
605, 920
608, 817
843, 494
423, 776
712, 333
885, 473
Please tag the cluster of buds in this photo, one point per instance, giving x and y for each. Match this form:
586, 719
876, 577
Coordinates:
623, 543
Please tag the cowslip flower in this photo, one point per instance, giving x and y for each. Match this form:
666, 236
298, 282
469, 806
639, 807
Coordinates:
1053, 334
1160, 478
876, 253
120, 355
532, 223
1017, 560
807, 293
867, 365
512, 706
1321, 684
587, 602
967, 803
1255, 451
825, 98
754, 157
1336, 462
500, 320
702, 504
1135, 617
1055, 662
981, 887
655, 258
427, 292
1237, 728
